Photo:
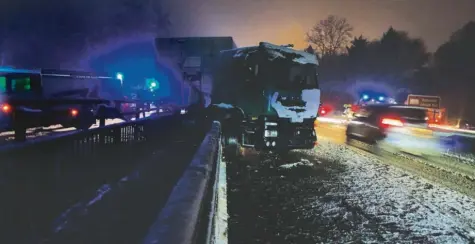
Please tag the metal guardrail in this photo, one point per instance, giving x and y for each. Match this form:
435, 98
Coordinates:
45, 167
186, 218
141, 106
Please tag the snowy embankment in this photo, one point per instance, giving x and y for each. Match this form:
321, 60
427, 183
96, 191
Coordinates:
407, 207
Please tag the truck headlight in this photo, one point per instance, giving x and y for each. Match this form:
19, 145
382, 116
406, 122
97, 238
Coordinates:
270, 133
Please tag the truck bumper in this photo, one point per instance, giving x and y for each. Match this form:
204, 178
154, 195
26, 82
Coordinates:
289, 143
283, 135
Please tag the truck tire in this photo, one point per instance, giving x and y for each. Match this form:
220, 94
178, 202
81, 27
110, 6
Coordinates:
85, 121
231, 148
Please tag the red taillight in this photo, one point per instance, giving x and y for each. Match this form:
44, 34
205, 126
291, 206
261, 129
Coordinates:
6, 108
324, 109
74, 112
391, 122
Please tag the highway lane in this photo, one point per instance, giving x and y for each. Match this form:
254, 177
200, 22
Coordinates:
447, 170
339, 193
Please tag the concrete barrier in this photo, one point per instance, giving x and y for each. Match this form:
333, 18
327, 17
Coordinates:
179, 220
218, 227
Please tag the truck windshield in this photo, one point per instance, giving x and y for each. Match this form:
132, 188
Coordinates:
289, 77
303, 76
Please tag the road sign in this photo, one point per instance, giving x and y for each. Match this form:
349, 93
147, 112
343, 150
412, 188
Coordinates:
423, 101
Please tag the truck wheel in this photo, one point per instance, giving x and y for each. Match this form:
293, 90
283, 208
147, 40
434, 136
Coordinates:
83, 126
283, 153
231, 148
85, 121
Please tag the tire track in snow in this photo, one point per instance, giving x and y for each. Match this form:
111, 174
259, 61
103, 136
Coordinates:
364, 175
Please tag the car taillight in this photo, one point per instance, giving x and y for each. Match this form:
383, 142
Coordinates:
74, 112
391, 122
6, 108
324, 109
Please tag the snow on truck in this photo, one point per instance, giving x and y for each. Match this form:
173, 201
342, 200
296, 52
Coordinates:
266, 96
40, 98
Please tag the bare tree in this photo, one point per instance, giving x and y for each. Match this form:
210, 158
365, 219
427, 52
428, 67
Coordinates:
331, 35
309, 49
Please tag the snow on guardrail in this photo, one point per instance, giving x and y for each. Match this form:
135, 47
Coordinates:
179, 221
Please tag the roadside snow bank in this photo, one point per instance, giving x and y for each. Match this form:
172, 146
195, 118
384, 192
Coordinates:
407, 207
220, 235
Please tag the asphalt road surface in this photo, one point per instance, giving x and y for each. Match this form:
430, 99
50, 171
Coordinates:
339, 193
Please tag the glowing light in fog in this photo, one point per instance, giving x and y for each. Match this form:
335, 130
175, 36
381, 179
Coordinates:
381, 98
365, 97
120, 76
74, 112
6, 108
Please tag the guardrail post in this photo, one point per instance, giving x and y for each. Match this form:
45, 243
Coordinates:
102, 122
19, 129
20, 133
137, 110
145, 108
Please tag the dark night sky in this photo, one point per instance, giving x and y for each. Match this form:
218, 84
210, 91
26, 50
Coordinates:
286, 21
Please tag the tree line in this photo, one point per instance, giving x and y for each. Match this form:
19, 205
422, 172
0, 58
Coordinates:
395, 61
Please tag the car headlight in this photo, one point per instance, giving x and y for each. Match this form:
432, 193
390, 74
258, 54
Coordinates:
160, 110
270, 133
183, 111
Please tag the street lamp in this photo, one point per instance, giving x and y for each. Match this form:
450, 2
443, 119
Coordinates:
120, 77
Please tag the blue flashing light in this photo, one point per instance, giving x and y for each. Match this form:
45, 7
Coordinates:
365, 97
120, 76
153, 84
8, 69
381, 98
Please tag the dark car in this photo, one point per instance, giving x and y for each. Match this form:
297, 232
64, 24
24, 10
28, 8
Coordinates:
467, 125
403, 128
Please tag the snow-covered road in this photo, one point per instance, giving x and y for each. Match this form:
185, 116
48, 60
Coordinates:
406, 206
336, 194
